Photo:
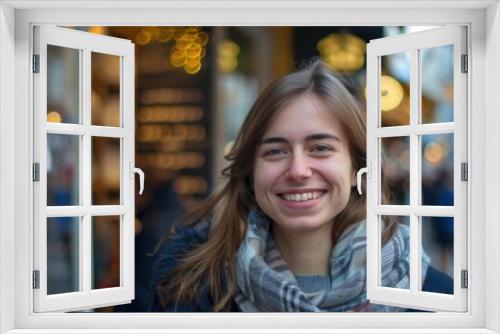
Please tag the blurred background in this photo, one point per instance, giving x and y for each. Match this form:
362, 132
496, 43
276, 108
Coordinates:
193, 89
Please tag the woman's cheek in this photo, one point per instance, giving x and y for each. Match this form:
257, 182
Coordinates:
259, 178
265, 175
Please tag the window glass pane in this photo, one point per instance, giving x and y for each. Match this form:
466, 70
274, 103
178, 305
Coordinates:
63, 170
437, 244
437, 84
63, 255
394, 276
394, 89
395, 170
105, 171
63, 85
437, 169
105, 89
105, 252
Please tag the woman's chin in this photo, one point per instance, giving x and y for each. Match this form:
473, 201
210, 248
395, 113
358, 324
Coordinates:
302, 224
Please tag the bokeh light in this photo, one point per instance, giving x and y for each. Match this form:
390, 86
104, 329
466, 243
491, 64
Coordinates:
54, 117
342, 52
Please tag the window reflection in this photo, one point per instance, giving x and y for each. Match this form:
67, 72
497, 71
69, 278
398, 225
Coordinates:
63, 169
63, 85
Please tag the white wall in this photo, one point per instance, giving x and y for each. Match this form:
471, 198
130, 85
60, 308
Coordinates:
492, 164
7, 174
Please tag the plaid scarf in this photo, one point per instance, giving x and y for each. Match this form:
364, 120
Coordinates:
265, 284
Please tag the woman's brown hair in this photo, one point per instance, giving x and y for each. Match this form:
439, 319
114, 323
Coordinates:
227, 207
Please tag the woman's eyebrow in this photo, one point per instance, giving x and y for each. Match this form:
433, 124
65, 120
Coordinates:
313, 137
320, 136
272, 140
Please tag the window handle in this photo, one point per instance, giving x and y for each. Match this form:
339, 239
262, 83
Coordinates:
135, 170
359, 175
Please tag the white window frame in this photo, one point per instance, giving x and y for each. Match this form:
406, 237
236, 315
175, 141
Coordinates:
16, 215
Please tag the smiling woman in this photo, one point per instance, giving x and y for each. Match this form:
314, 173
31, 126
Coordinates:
302, 179
285, 231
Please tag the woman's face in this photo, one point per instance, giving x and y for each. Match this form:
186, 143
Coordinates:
303, 174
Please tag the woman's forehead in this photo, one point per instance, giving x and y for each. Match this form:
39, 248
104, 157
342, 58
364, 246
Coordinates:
306, 115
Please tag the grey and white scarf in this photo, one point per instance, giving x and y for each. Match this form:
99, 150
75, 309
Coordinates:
265, 284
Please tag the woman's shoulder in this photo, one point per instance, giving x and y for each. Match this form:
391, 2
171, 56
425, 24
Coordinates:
437, 281
183, 239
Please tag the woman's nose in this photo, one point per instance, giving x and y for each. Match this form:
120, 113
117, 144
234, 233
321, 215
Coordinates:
299, 168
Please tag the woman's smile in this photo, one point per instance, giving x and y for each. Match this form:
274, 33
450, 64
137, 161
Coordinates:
301, 198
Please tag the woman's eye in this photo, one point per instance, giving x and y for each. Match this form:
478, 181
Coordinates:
274, 152
322, 148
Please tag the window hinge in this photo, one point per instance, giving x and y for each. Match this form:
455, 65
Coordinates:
36, 172
465, 279
36, 63
465, 66
464, 171
36, 279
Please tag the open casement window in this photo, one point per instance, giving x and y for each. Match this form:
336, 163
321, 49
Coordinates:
409, 146
73, 219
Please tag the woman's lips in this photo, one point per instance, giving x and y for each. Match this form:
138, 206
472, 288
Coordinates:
301, 198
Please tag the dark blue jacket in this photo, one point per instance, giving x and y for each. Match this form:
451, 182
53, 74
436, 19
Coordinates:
185, 238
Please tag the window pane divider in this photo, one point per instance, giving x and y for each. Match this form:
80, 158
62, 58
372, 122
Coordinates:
418, 129
420, 210
415, 170
77, 211
107, 210
78, 129
86, 235
107, 131
66, 211
66, 128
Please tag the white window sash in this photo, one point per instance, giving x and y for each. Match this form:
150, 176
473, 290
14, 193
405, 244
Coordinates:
86, 43
412, 297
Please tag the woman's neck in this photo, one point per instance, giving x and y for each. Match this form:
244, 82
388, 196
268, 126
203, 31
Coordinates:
305, 253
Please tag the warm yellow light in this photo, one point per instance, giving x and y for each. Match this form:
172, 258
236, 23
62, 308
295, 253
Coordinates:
98, 30
227, 56
391, 93
143, 37
342, 52
182, 44
228, 48
194, 51
227, 65
434, 153
192, 67
165, 35
54, 117
188, 49
177, 59
193, 29
203, 37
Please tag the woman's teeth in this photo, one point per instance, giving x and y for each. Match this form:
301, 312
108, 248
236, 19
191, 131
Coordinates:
301, 197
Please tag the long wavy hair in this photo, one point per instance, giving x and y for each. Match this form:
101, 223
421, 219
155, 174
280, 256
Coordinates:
227, 207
